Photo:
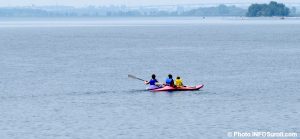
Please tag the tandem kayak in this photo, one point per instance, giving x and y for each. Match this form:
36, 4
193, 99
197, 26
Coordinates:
186, 88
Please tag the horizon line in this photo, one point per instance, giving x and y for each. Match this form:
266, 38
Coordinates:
146, 5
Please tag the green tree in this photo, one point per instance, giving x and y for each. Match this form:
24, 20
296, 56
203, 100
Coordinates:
271, 9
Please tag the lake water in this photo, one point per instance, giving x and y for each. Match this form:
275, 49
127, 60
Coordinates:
67, 78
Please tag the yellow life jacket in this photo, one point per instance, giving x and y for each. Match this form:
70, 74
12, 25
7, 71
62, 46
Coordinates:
178, 82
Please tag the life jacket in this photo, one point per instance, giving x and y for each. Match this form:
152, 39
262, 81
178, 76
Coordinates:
169, 82
152, 81
178, 82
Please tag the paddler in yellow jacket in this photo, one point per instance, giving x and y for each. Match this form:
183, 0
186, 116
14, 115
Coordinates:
178, 82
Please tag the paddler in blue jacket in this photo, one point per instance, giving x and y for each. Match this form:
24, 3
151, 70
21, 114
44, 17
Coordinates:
170, 81
153, 83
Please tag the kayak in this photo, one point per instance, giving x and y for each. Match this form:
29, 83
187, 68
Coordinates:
152, 87
185, 88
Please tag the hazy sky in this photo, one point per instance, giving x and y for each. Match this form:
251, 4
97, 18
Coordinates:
124, 2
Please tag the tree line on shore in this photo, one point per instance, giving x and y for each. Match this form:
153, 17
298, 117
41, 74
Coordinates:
271, 9
254, 10
64, 11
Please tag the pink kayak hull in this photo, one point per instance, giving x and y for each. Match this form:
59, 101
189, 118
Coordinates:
169, 88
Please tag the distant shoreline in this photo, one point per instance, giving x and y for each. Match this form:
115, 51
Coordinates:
162, 17
145, 21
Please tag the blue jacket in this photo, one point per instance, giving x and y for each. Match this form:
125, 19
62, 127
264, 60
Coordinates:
170, 82
153, 81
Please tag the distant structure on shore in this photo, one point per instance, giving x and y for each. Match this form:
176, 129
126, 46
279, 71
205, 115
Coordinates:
231, 9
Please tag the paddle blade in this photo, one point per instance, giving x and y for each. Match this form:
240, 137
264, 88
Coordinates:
133, 77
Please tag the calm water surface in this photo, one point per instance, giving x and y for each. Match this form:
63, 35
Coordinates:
71, 82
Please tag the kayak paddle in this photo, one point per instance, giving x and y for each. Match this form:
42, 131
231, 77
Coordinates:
133, 77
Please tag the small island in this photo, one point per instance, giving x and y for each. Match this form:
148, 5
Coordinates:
271, 9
